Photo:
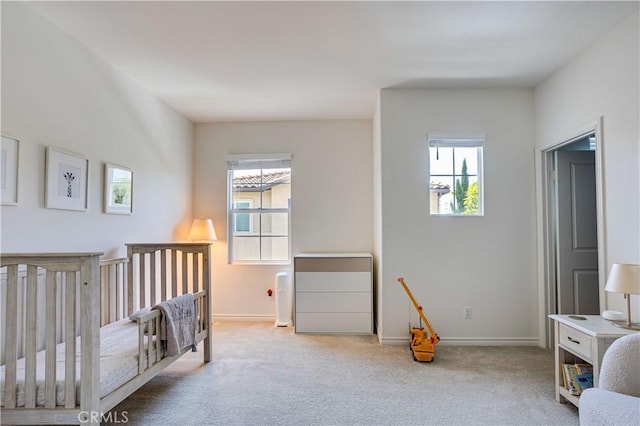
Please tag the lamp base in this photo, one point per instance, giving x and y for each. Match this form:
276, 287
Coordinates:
624, 324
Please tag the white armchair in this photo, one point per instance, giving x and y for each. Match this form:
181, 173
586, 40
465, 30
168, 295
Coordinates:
616, 400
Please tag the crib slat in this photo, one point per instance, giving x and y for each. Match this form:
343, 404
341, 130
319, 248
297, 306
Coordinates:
70, 342
140, 349
119, 282
196, 303
11, 337
30, 338
114, 281
112, 284
151, 356
104, 278
194, 273
185, 280
152, 275
201, 302
174, 273
143, 298
60, 311
104, 296
129, 302
158, 341
50, 343
125, 283
163, 274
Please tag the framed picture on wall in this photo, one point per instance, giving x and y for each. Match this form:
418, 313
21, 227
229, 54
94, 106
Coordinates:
9, 170
118, 189
67, 176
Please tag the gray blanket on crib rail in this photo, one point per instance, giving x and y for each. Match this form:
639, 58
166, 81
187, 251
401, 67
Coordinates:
178, 324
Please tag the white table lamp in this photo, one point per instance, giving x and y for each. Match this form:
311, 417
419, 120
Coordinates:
202, 230
625, 279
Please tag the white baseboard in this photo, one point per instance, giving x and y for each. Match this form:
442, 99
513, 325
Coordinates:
467, 341
243, 317
404, 340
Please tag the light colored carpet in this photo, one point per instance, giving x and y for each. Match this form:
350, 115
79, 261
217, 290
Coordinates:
263, 375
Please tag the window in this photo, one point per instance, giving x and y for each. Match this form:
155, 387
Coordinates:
259, 207
455, 175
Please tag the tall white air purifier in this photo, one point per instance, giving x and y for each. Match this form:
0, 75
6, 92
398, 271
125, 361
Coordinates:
284, 299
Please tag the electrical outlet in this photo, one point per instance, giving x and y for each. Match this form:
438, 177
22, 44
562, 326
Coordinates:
466, 312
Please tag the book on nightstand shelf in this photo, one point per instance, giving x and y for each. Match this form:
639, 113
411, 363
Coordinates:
577, 377
584, 368
584, 381
570, 371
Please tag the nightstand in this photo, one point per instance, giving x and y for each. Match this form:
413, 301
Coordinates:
581, 341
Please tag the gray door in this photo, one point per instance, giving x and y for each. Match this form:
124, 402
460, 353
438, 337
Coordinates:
577, 240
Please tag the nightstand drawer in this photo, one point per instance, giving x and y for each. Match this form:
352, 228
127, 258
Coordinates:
576, 341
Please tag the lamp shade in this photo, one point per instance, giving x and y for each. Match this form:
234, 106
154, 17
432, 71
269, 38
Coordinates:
624, 278
202, 230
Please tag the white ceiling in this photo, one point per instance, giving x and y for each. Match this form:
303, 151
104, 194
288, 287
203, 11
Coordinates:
246, 61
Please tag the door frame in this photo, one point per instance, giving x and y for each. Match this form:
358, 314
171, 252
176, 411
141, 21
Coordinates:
546, 264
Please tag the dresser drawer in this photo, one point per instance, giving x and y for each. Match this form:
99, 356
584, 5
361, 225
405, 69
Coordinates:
332, 281
348, 323
333, 302
577, 342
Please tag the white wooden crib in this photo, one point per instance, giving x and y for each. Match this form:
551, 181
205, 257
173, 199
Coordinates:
70, 352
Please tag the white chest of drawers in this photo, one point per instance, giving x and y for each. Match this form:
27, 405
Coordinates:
333, 293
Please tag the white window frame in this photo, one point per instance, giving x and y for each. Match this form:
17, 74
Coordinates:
250, 162
449, 140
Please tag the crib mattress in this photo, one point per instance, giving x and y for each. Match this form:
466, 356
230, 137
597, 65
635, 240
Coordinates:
118, 364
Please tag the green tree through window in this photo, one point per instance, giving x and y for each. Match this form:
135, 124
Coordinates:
460, 193
471, 199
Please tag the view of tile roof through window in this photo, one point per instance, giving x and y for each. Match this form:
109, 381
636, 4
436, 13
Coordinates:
439, 187
262, 182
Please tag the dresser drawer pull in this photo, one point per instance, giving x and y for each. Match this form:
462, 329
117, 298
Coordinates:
572, 340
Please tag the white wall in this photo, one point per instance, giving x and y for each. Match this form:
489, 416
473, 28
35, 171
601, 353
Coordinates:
604, 82
486, 262
331, 198
56, 92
